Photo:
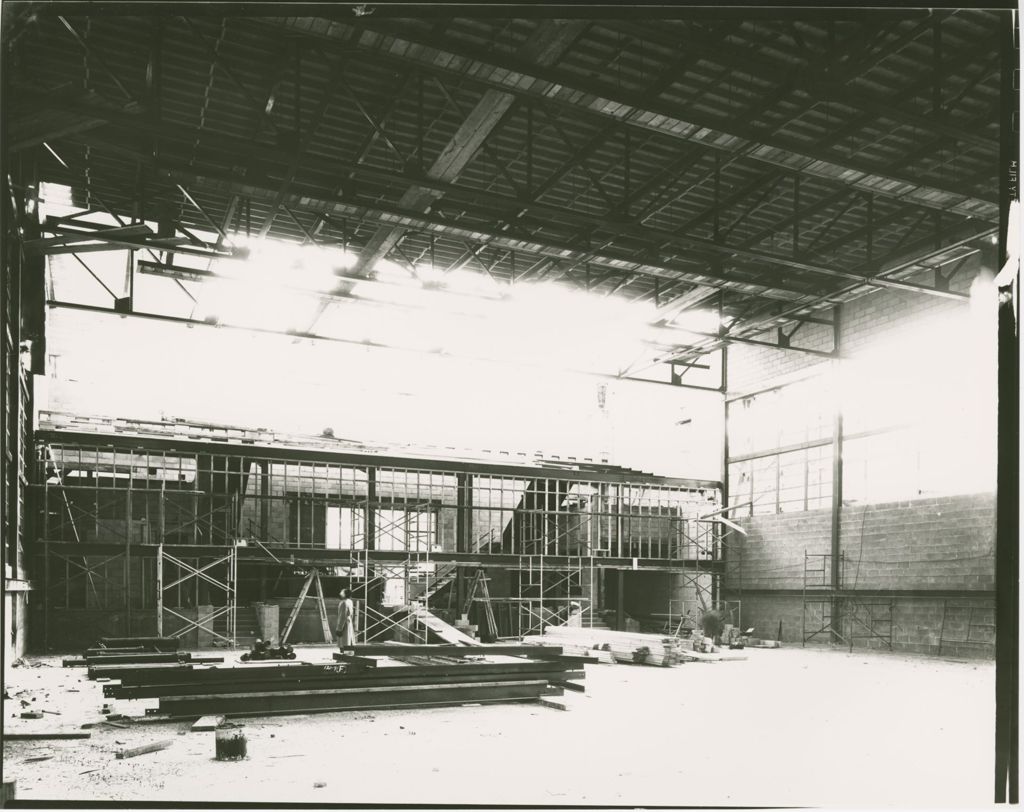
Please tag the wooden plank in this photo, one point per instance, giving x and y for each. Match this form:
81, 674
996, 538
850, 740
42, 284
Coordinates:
354, 659
165, 643
430, 649
207, 723
45, 734
556, 704
132, 752
445, 631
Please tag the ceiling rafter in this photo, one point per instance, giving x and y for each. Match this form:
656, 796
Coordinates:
516, 75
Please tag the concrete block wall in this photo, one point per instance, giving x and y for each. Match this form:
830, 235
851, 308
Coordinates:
945, 543
771, 556
752, 368
876, 318
942, 544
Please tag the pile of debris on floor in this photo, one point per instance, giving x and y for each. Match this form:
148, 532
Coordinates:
646, 649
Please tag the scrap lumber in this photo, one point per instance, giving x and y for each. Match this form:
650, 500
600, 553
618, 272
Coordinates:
206, 723
132, 752
150, 643
626, 647
714, 657
150, 658
595, 655
430, 649
556, 704
14, 736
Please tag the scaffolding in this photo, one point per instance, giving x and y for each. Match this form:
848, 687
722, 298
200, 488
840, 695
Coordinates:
967, 624
826, 609
551, 596
214, 576
172, 524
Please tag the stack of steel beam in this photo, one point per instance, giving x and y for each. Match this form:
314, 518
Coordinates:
413, 676
136, 650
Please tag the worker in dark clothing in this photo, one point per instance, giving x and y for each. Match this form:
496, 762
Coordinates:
346, 621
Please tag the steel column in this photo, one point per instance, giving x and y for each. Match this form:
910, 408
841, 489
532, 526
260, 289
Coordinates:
837, 483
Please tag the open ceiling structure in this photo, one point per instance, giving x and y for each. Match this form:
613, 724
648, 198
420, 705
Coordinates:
763, 164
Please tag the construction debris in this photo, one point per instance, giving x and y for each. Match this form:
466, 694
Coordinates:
262, 650
625, 647
596, 655
132, 752
206, 723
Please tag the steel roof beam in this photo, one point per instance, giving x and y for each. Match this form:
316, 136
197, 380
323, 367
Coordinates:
921, 253
473, 231
807, 78
521, 76
546, 46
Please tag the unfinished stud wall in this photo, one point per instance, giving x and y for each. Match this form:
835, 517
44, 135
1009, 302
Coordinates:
916, 390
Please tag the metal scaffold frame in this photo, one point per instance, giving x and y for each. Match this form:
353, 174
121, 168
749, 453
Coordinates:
428, 524
372, 623
200, 573
557, 590
861, 618
970, 627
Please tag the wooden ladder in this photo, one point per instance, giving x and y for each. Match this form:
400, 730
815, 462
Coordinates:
479, 582
312, 578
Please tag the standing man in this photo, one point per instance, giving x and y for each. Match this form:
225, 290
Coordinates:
346, 621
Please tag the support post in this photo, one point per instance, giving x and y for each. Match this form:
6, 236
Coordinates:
722, 547
463, 528
620, 602
1007, 520
837, 485
264, 500
160, 591
371, 508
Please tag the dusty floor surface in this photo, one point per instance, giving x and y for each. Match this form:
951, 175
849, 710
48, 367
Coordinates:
785, 727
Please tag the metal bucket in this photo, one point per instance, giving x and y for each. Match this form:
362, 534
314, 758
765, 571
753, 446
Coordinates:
230, 743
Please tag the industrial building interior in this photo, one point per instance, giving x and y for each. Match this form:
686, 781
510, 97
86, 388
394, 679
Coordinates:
570, 341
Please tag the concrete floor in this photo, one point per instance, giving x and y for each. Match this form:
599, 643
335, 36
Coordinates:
807, 727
